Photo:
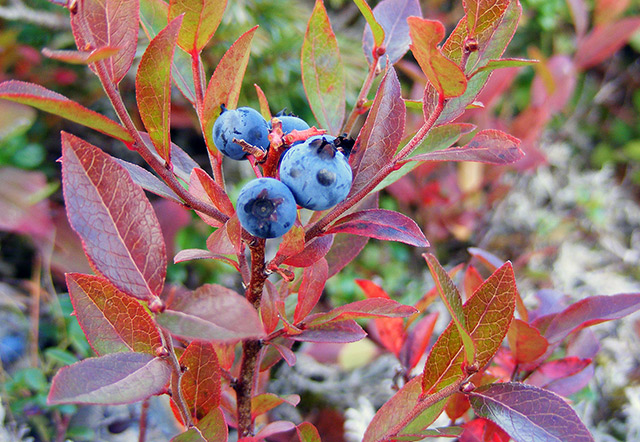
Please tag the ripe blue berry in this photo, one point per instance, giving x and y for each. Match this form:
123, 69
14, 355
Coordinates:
318, 175
243, 123
266, 208
290, 122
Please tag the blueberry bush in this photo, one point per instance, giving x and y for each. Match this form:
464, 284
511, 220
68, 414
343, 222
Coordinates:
499, 371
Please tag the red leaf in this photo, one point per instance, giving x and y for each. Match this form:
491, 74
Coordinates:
205, 188
81, 57
322, 71
268, 308
200, 382
336, 331
226, 240
392, 16
118, 378
153, 87
517, 409
381, 134
472, 280
212, 313
482, 430
525, 342
313, 280
274, 428
118, 227
367, 308
381, 224
192, 254
487, 146
604, 41
457, 406
22, 208
417, 341
488, 314
587, 312
201, 19
226, 82
212, 428
108, 23
49, 101
265, 402
443, 74
453, 301
314, 250
292, 242
111, 320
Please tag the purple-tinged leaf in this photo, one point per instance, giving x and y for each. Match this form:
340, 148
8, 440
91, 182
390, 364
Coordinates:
580, 15
153, 18
108, 23
373, 27
322, 71
488, 314
226, 82
153, 87
118, 378
193, 254
181, 162
49, 101
22, 206
529, 413
274, 428
550, 375
201, 19
381, 224
307, 432
314, 250
488, 146
337, 331
453, 301
392, 16
366, 308
443, 74
200, 382
118, 227
313, 279
587, 312
382, 132
81, 57
111, 320
212, 313
284, 351
603, 41
148, 181
345, 249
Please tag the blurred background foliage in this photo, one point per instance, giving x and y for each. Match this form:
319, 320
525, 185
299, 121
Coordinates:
600, 121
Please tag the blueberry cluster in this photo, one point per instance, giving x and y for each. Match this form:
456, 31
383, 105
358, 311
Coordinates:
314, 173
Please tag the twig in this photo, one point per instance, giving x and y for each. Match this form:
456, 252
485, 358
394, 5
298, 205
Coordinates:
144, 409
178, 397
362, 96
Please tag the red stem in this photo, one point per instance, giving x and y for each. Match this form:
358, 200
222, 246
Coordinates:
362, 96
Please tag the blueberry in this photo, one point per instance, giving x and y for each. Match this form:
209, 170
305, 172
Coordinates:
266, 208
318, 175
243, 123
11, 347
290, 122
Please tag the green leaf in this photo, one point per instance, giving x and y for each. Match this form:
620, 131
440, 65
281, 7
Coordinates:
212, 428
201, 19
153, 18
81, 57
226, 82
307, 432
153, 87
505, 63
322, 71
49, 101
453, 301
445, 75
488, 314
376, 29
